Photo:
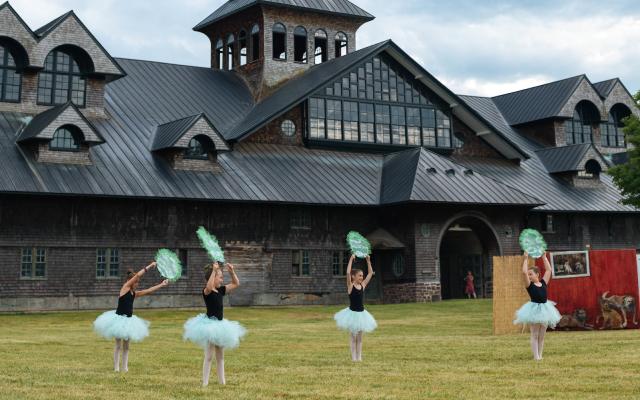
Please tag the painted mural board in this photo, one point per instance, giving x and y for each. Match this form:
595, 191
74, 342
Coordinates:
570, 264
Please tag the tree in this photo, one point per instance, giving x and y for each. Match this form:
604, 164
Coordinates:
627, 176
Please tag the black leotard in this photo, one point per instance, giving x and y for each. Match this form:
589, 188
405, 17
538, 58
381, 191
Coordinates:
213, 302
356, 299
125, 304
538, 294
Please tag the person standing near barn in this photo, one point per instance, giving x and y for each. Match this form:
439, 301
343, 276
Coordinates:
469, 288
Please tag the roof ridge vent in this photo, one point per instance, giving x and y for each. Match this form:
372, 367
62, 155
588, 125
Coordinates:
468, 172
432, 170
450, 172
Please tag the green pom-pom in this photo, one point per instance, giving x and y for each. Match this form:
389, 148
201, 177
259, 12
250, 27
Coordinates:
533, 243
358, 244
168, 264
210, 244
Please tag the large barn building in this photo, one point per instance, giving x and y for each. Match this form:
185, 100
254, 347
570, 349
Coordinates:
292, 138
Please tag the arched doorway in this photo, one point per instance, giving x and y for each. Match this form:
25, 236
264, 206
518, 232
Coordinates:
467, 243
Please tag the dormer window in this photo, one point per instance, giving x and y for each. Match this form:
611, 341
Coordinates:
10, 78
320, 46
242, 44
67, 138
220, 54
300, 45
342, 44
279, 42
230, 52
579, 129
61, 80
255, 42
612, 134
199, 148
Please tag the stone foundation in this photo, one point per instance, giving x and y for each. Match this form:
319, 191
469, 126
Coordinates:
411, 292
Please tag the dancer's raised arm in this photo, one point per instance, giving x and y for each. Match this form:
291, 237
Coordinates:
369, 273
235, 282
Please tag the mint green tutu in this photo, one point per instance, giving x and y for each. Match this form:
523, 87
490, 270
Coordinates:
203, 331
113, 326
538, 313
355, 321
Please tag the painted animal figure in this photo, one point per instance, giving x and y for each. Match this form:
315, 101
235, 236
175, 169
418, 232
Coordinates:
610, 318
624, 304
576, 320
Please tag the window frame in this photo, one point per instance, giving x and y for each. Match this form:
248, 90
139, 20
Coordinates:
74, 135
339, 262
4, 72
298, 268
33, 263
273, 41
304, 59
300, 219
324, 54
230, 51
220, 55
54, 73
341, 43
254, 41
203, 156
110, 265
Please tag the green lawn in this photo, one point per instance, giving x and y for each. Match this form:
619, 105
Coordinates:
437, 351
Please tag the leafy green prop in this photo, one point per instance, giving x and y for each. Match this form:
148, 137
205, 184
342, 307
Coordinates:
533, 243
358, 244
210, 244
168, 264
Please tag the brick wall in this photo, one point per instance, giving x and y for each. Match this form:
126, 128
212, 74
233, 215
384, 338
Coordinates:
272, 132
46, 155
473, 145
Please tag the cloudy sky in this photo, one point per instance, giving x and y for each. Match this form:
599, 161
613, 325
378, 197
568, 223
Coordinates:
484, 47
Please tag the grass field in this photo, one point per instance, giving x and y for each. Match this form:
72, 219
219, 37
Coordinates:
420, 351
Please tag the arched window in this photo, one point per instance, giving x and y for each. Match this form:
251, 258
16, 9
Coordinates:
220, 54
320, 46
579, 129
612, 134
230, 53
255, 42
242, 42
300, 45
199, 148
341, 44
592, 169
10, 78
61, 80
66, 138
279, 42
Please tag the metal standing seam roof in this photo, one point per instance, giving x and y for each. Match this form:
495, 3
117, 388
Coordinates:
532, 177
565, 158
536, 103
336, 7
605, 87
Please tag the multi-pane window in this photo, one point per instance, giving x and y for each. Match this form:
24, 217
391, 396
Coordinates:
61, 80
231, 56
300, 265
65, 139
242, 44
320, 46
334, 119
341, 44
107, 263
339, 262
397, 265
279, 37
33, 262
300, 218
579, 129
255, 42
220, 54
611, 132
10, 78
316, 118
396, 112
300, 44
196, 149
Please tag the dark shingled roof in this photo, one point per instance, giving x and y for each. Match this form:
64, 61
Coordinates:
336, 7
605, 87
538, 102
565, 158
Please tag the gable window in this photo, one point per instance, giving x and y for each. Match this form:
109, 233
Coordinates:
341, 44
288, 128
340, 262
300, 45
300, 219
279, 42
300, 265
220, 54
10, 78
107, 263
199, 148
61, 80
320, 46
612, 134
547, 223
579, 129
396, 112
242, 44
231, 56
67, 138
33, 262
255, 42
